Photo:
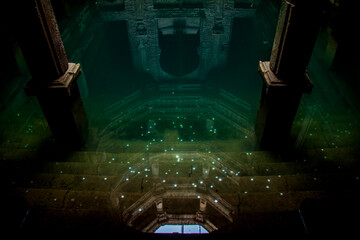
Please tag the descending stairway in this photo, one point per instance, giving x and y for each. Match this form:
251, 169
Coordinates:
112, 191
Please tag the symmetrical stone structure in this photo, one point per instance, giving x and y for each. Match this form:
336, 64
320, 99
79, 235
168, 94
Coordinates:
210, 22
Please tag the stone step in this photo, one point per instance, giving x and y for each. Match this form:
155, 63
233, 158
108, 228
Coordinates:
220, 184
228, 164
68, 200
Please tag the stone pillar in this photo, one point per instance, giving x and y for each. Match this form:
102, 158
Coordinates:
53, 77
161, 214
285, 76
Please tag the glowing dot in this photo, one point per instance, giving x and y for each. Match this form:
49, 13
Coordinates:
105, 178
140, 209
122, 196
215, 200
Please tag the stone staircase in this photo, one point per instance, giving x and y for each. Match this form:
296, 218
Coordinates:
101, 191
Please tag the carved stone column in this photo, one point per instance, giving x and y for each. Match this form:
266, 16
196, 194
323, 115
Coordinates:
285, 76
53, 77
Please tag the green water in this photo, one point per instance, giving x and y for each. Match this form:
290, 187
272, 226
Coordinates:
110, 77
190, 94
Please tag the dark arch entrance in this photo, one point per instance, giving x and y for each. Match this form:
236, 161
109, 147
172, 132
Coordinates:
179, 54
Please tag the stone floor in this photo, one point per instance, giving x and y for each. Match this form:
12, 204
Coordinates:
226, 192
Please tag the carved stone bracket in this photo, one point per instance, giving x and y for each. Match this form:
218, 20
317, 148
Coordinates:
271, 81
65, 82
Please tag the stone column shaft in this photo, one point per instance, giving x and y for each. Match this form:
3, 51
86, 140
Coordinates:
53, 77
285, 77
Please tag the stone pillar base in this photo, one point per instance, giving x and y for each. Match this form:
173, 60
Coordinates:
63, 108
278, 106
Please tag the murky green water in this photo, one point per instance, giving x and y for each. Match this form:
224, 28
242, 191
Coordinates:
180, 81
202, 77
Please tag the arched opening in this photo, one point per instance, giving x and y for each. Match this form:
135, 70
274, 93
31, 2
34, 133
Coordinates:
181, 229
179, 43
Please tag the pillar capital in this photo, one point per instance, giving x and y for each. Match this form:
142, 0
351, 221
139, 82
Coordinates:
302, 84
62, 84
